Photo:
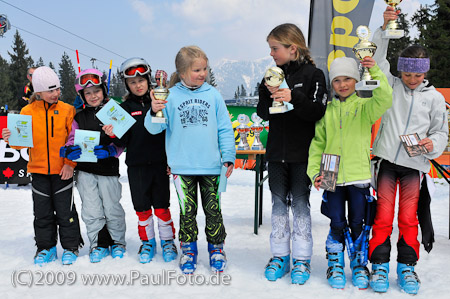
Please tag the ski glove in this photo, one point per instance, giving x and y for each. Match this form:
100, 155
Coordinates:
105, 151
71, 152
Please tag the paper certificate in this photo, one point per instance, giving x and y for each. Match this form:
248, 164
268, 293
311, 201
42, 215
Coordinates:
86, 140
113, 114
411, 144
329, 168
21, 130
223, 180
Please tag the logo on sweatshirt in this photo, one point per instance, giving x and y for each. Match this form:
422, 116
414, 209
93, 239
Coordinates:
136, 113
193, 112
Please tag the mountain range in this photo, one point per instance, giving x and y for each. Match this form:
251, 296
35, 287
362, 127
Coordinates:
229, 74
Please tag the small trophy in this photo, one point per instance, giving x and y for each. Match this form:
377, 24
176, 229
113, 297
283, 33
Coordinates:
160, 93
243, 130
274, 77
257, 128
392, 28
363, 49
266, 126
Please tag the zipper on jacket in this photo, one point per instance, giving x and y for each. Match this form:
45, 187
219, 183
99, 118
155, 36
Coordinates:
340, 133
406, 127
52, 127
46, 128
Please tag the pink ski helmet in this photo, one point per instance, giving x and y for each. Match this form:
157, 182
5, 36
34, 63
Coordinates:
88, 78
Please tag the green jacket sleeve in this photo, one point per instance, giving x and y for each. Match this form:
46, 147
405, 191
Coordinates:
381, 98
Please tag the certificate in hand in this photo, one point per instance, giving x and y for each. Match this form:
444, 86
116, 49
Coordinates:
86, 140
21, 130
113, 114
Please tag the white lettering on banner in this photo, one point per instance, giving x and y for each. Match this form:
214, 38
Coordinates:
23, 173
6, 152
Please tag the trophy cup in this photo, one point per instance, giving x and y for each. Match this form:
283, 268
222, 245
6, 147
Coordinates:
274, 76
363, 49
160, 93
257, 128
266, 126
392, 28
243, 129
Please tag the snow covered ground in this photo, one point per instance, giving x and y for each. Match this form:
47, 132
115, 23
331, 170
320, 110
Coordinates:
247, 255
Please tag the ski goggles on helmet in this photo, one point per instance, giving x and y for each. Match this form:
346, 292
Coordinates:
133, 71
85, 79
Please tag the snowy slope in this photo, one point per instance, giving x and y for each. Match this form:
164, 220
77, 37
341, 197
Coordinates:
247, 254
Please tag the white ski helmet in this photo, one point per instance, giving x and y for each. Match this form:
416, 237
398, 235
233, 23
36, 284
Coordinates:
134, 66
45, 79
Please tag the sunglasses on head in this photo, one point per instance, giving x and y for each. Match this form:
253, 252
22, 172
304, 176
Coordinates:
85, 79
136, 70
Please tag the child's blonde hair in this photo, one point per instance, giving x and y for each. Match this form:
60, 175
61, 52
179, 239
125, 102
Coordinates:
34, 97
289, 34
184, 60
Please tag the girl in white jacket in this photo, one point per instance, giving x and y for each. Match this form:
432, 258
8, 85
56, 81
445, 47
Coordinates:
416, 108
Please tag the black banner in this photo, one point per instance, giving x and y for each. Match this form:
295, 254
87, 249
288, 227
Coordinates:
13, 165
332, 27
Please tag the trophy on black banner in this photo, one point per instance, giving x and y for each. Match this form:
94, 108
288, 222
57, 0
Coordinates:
274, 77
257, 128
392, 28
363, 49
160, 93
266, 126
243, 130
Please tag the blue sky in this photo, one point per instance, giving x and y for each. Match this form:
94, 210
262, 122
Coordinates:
157, 29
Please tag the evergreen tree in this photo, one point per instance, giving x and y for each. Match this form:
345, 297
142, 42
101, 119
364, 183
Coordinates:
211, 79
67, 76
434, 28
256, 92
117, 87
6, 95
19, 64
50, 65
396, 46
237, 93
243, 91
40, 62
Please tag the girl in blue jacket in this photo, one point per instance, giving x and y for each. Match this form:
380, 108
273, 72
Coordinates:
199, 142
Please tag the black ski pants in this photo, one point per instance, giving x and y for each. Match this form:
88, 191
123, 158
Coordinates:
53, 210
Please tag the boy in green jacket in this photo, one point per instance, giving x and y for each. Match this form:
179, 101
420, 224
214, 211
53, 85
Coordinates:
345, 130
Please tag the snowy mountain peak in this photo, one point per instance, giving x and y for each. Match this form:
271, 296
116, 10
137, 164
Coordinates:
230, 74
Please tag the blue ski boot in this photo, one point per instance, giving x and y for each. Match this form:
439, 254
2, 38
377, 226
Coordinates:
117, 251
169, 250
188, 259
69, 256
45, 256
98, 253
335, 272
277, 267
360, 275
217, 257
147, 251
407, 279
301, 270
379, 280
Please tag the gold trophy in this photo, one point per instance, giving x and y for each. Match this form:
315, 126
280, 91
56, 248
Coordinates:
392, 28
363, 49
160, 93
274, 77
